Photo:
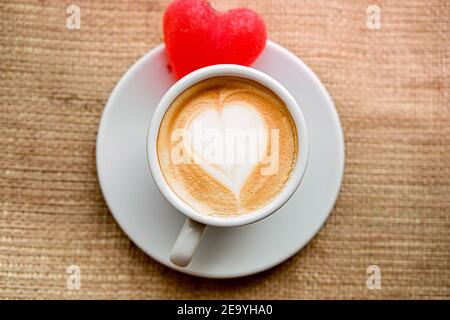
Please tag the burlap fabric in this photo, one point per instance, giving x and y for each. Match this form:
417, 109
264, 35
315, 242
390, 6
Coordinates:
390, 86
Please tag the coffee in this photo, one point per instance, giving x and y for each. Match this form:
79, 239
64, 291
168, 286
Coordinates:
227, 145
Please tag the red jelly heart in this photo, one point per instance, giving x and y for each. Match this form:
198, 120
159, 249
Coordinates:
196, 36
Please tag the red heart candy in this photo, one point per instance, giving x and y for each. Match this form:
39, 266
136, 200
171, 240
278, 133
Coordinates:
197, 36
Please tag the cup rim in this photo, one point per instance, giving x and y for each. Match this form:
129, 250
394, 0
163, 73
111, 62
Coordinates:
295, 177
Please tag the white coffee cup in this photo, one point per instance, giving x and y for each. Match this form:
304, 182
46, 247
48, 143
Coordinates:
190, 235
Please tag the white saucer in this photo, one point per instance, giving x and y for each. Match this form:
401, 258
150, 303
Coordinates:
153, 225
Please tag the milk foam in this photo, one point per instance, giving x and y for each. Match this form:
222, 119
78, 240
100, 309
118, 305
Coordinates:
235, 134
210, 177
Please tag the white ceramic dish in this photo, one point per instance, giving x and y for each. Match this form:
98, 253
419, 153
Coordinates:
153, 224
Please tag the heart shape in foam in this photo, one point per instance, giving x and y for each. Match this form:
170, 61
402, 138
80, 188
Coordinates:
227, 142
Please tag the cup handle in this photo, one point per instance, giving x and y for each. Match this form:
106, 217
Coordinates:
187, 242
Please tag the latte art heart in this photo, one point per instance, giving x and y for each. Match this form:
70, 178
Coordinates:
227, 146
227, 142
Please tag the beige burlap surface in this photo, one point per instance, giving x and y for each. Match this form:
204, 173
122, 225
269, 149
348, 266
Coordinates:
390, 86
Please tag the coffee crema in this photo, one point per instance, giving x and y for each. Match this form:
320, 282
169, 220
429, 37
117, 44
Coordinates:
227, 145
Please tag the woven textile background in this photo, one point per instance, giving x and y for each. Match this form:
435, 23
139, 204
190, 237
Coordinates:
390, 86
